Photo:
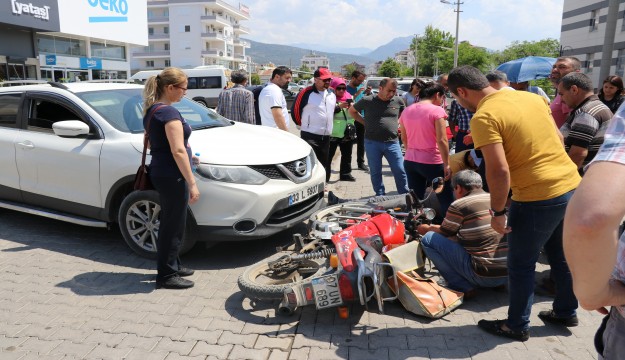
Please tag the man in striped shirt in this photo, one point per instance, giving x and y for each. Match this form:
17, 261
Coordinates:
585, 126
465, 249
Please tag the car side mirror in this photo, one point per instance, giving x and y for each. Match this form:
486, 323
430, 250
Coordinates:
70, 128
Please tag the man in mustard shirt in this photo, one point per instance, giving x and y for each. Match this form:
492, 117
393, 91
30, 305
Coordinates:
523, 151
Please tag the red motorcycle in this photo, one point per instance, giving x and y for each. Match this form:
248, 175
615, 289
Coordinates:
339, 261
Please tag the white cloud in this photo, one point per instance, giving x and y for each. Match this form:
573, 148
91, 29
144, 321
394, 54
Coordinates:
371, 23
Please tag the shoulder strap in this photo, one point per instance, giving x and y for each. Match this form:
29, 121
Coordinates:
145, 134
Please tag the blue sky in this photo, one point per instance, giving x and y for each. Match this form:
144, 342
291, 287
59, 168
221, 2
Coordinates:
493, 24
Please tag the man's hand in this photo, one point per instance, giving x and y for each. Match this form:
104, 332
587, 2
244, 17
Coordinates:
499, 224
423, 229
468, 139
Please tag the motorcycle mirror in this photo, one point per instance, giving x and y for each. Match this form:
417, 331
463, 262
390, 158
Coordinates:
438, 184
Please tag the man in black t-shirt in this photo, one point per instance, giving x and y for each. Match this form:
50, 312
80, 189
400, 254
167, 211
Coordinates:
381, 121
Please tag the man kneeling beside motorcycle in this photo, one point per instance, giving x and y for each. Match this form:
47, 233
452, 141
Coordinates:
465, 249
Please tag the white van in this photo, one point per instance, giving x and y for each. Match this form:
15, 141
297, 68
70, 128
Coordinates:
205, 82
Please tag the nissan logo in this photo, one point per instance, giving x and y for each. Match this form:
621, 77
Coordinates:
300, 167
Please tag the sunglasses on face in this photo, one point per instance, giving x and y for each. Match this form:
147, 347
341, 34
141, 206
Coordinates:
325, 80
340, 88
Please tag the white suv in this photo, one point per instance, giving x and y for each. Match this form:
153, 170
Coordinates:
70, 152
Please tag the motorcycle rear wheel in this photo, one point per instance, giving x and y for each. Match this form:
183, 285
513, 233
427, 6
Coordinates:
258, 282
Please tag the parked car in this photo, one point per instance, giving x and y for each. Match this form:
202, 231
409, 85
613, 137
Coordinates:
293, 87
70, 152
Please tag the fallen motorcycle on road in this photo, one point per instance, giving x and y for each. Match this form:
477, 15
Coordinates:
341, 259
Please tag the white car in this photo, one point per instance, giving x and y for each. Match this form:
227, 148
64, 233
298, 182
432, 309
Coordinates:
71, 151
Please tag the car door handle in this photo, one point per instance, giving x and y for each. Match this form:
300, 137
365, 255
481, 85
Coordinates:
26, 145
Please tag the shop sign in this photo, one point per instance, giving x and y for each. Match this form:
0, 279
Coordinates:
90, 63
38, 12
116, 10
35, 14
50, 60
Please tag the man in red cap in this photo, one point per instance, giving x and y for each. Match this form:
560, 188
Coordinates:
313, 111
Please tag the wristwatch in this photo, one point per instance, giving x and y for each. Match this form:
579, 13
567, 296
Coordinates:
495, 213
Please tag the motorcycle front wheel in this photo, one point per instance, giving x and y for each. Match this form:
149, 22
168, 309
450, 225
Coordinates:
260, 282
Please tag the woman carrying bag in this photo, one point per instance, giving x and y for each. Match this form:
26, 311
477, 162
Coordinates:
343, 130
170, 171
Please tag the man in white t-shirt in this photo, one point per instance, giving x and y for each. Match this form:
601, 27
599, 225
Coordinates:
271, 102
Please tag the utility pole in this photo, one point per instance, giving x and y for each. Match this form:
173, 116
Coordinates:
416, 59
457, 27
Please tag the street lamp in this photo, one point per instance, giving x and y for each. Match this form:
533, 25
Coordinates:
436, 56
457, 27
416, 59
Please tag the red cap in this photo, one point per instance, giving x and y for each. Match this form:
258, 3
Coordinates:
323, 73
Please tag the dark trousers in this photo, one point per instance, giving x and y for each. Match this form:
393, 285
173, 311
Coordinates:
421, 175
360, 143
460, 146
346, 154
174, 197
321, 146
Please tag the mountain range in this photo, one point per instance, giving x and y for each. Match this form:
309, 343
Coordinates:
291, 56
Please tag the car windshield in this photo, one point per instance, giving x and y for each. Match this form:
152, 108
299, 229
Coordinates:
373, 83
404, 87
123, 109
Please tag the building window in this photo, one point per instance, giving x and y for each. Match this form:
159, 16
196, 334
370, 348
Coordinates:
150, 31
166, 30
149, 63
166, 13
167, 63
594, 21
187, 28
166, 46
108, 51
620, 63
61, 46
590, 59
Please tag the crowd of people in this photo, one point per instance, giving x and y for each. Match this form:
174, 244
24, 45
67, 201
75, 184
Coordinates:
510, 187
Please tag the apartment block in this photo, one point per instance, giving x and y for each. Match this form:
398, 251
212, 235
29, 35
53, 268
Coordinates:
191, 33
589, 29
314, 61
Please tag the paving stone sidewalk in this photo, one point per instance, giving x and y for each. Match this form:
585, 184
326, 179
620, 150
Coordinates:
70, 292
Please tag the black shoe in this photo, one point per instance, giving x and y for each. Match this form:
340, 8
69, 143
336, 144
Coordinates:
550, 317
363, 167
183, 271
333, 199
347, 177
494, 327
174, 282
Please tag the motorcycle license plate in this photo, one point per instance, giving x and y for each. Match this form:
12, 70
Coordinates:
304, 193
326, 291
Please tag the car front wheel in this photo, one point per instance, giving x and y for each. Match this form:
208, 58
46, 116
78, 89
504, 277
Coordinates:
139, 220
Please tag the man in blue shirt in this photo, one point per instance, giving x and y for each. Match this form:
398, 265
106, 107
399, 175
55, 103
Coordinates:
357, 90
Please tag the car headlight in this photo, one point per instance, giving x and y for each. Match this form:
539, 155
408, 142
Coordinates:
232, 174
313, 159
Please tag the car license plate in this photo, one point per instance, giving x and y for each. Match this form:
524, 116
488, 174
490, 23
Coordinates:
304, 194
327, 293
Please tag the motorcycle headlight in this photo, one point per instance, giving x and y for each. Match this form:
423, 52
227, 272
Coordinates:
232, 174
429, 214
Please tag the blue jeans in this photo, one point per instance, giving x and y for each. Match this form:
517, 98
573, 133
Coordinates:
390, 150
421, 175
536, 225
454, 264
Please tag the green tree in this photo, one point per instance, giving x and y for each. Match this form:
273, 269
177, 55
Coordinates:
304, 75
390, 68
432, 45
255, 79
348, 70
546, 47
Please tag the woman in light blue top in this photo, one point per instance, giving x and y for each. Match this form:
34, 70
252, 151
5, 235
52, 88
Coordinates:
412, 96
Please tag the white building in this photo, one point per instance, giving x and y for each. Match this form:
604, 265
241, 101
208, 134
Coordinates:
190, 33
592, 29
405, 58
314, 61
69, 41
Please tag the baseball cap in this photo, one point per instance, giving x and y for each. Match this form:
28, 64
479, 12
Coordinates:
322, 73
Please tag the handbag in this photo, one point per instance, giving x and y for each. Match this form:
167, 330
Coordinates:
142, 178
424, 297
350, 132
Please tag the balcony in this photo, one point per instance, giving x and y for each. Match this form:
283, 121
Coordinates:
158, 20
239, 42
239, 57
157, 37
240, 29
151, 54
215, 19
212, 53
213, 35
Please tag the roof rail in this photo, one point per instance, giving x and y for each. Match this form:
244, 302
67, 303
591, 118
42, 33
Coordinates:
21, 82
58, 85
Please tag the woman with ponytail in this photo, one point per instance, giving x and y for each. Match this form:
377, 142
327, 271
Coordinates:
170, 171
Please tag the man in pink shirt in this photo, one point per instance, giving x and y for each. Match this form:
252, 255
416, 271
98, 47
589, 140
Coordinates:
562, 66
